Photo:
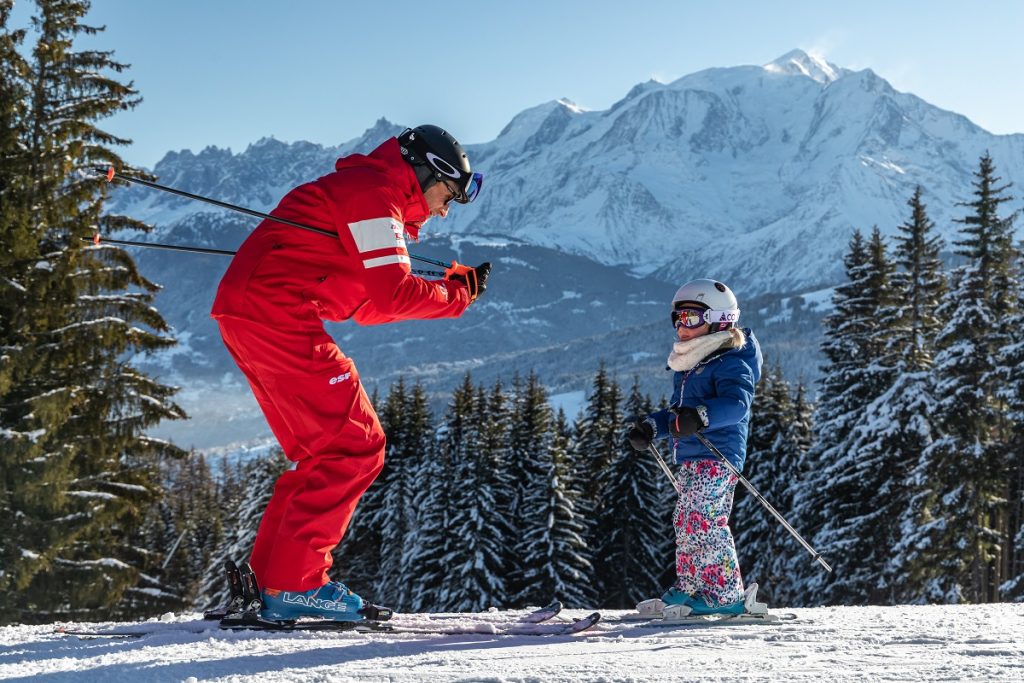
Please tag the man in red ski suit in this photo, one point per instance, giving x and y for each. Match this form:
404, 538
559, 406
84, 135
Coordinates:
281, 285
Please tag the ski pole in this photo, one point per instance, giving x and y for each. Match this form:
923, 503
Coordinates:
112, 173
98, 240
711, 447
768, 506
664, 467
156, 245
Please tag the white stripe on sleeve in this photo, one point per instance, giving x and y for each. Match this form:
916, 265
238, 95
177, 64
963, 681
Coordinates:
377, 233
385, 260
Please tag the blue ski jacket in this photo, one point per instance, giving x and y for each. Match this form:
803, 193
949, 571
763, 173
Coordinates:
724, 384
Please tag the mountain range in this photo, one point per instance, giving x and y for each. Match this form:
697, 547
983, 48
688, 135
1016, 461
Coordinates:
756, 175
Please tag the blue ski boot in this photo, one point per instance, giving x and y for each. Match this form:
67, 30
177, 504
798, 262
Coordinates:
679, 605
333, 601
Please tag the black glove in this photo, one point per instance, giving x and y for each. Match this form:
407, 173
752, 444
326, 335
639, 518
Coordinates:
475, 280
640, 434
685, 422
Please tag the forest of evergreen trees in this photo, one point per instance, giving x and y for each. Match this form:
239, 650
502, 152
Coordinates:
905, 469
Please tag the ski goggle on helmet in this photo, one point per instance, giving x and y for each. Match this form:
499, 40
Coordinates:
701, 302
437, 157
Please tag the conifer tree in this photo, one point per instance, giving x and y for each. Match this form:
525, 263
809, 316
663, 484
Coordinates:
474, 555
200, 528
550, 561
598, 436
72, 407
241, 523
960, 529
921, 284
635, 518
840, 495
1011, 392
585, 506
17, 249
798, 439
772, 460
434, 582
899, 426
398, 520
431, 578
361, 556
531, 436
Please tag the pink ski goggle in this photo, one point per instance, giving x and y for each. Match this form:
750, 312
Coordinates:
691, 317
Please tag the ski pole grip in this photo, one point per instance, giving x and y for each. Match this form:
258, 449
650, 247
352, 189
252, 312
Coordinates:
110, 174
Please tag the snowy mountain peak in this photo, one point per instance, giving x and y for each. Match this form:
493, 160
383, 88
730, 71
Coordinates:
799, 63
570, 105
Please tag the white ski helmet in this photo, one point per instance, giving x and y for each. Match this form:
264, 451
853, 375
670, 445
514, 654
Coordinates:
721, 310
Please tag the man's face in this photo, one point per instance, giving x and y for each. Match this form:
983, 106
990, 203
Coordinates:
439, 198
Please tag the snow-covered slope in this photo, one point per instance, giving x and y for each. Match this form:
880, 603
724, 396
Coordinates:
906, 644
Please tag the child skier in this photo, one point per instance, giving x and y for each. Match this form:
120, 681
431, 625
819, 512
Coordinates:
717, 366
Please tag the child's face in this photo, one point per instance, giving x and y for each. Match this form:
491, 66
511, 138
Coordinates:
686, 334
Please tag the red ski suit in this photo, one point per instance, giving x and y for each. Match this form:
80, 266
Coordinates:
270, 305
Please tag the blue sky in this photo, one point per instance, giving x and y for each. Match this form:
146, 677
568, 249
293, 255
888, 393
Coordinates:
228, 72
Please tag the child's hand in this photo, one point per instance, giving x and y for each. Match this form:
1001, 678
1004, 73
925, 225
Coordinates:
686, 422
641, 433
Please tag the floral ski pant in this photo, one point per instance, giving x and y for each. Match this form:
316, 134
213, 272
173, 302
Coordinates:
706, 563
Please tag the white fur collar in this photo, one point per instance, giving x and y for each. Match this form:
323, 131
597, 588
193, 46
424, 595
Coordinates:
686, 354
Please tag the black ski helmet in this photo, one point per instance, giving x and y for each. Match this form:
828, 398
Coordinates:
438, 157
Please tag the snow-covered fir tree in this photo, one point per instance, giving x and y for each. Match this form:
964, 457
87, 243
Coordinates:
431, 578
530, 438
798, 439
960, 532
185, 528
407, 423
476, 441
895, 426
1011, 392
635, 518
899, 424
357, 559
598, 432
779, 438
241, 524
552, 552
419, 450
79, 471
840, 500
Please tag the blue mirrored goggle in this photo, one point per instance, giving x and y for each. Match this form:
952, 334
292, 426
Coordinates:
472, 188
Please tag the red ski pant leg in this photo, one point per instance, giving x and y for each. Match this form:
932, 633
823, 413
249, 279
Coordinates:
314, 402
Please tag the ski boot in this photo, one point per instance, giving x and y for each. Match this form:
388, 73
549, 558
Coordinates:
333, 601
679, 605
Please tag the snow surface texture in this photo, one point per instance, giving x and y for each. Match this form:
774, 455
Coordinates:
907, 643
